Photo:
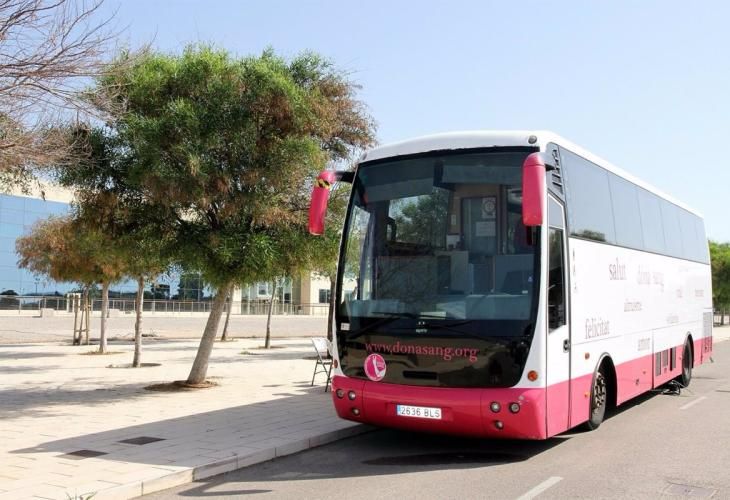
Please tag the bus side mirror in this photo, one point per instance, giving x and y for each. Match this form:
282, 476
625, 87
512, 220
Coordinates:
320, 198
533, 190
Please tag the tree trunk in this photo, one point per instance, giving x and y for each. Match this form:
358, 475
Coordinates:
104, 313
267, 343
77, 329
136, 361
200, 365
87, 314
224, 336
331, 312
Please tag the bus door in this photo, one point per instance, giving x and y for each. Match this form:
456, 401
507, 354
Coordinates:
558, 326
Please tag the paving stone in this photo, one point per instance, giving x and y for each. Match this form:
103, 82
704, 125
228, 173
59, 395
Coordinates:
256, 457
141, 475
121, 492
35, 490
214, 468
90, 487
168, 481
290, 448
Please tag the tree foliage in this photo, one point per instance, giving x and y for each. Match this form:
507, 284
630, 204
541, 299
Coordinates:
720, 260
226, 147
106, 203
69, 249
61, 249
222, 150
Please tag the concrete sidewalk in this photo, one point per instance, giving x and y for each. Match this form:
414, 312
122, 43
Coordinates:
71, 426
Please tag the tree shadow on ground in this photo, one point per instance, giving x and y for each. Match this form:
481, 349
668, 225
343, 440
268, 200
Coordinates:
166, 348
31, 402
255, 355
15, 355
27, 369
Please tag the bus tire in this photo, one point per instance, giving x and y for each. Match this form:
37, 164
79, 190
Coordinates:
599, 399
686, 377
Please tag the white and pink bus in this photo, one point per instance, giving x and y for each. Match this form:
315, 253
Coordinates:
509, 284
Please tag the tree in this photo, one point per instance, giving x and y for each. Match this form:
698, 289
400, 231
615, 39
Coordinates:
131, 239
144, 261
224, 150
272, 301
720, 262
224, 335
64, 249
48, 48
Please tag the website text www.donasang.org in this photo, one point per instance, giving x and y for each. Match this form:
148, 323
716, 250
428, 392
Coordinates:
446, 353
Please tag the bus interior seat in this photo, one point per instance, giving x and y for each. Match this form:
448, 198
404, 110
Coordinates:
482, 278
514, 273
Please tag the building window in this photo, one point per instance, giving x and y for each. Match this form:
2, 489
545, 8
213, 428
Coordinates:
324, 295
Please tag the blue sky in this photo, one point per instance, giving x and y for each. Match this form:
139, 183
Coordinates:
646, 85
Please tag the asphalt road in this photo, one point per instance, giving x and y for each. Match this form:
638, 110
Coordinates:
657, 446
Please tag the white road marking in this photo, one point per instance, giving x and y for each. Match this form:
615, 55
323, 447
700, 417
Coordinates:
692, 403
548, 483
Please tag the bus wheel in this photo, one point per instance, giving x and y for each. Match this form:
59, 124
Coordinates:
599, 399
686, 377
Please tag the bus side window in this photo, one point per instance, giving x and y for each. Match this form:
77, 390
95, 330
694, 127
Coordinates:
556, 273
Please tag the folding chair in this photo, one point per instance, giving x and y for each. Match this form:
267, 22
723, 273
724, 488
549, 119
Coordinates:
324, 361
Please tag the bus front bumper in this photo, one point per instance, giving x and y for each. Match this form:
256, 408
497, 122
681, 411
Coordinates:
469, 412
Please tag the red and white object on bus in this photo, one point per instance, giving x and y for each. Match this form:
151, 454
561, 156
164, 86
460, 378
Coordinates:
510, 284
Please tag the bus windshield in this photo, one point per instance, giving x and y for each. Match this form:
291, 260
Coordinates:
439, 237
435, 248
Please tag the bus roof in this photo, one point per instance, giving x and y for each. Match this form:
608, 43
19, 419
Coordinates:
504, 138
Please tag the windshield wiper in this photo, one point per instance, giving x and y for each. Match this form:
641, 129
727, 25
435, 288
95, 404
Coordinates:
432, 326
390, 316
374, 324
409, 315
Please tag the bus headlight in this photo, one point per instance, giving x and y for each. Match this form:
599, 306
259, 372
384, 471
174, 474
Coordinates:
351, 395
514, 407
340, 393
495, 407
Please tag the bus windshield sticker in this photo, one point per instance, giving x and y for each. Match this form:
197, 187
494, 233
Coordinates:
446, 353
375, 367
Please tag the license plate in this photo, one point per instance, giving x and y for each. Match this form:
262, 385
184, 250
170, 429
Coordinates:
418, 412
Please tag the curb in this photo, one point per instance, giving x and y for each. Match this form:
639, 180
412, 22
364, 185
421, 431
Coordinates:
171, 479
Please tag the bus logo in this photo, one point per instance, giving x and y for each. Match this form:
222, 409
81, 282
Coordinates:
375, 367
